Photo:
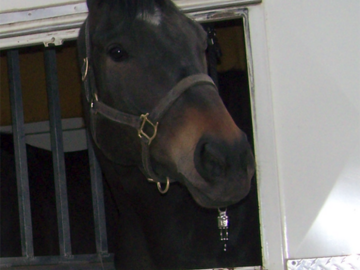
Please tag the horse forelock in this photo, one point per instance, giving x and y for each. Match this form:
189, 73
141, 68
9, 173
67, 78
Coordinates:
135, 9
153, 18
107, 14
142, 8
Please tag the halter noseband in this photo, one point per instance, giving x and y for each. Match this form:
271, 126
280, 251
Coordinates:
150, 120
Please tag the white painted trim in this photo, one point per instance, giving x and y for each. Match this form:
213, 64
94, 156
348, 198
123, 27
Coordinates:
7, 6
218, 14
42, 13
197, 5
55, 37
20, 5
55, 24
271, 219
41, 26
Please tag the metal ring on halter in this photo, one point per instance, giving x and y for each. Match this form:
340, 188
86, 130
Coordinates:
166, 188
85, 69
158, 184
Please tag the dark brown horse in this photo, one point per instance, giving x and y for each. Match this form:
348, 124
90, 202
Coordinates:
156, 117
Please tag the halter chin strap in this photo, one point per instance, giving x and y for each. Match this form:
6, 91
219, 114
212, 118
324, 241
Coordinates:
147, 121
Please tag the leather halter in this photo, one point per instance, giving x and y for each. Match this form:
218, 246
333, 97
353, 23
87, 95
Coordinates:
149, 119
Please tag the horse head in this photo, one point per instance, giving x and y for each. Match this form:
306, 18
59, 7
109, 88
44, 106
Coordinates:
140, 51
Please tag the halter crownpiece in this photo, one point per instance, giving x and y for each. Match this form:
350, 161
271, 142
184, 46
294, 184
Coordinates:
147, 119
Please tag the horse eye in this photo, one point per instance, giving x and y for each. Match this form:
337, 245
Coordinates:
117, 53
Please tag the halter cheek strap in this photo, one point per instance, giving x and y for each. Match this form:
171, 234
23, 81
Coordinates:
147, 121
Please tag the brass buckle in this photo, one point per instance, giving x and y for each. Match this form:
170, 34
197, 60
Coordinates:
141, 133
95, 98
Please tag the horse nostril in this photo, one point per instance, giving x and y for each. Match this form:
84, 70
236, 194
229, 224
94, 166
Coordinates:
212, 161
216, 160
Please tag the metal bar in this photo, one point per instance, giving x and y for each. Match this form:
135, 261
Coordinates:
98, 200
20, 154
91, 261
57, 152
193, 6
44, 29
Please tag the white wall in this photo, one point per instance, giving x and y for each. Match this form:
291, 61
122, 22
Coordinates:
310, 61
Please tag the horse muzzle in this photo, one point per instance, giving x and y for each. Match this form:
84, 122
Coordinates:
224, 171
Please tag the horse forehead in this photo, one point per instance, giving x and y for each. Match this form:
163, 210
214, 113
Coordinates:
153, 18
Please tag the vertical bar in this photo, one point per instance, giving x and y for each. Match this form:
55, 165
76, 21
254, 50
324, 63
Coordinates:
57, 152
20, 154
98, 200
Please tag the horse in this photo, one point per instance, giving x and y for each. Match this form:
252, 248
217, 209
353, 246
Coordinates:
178, 170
